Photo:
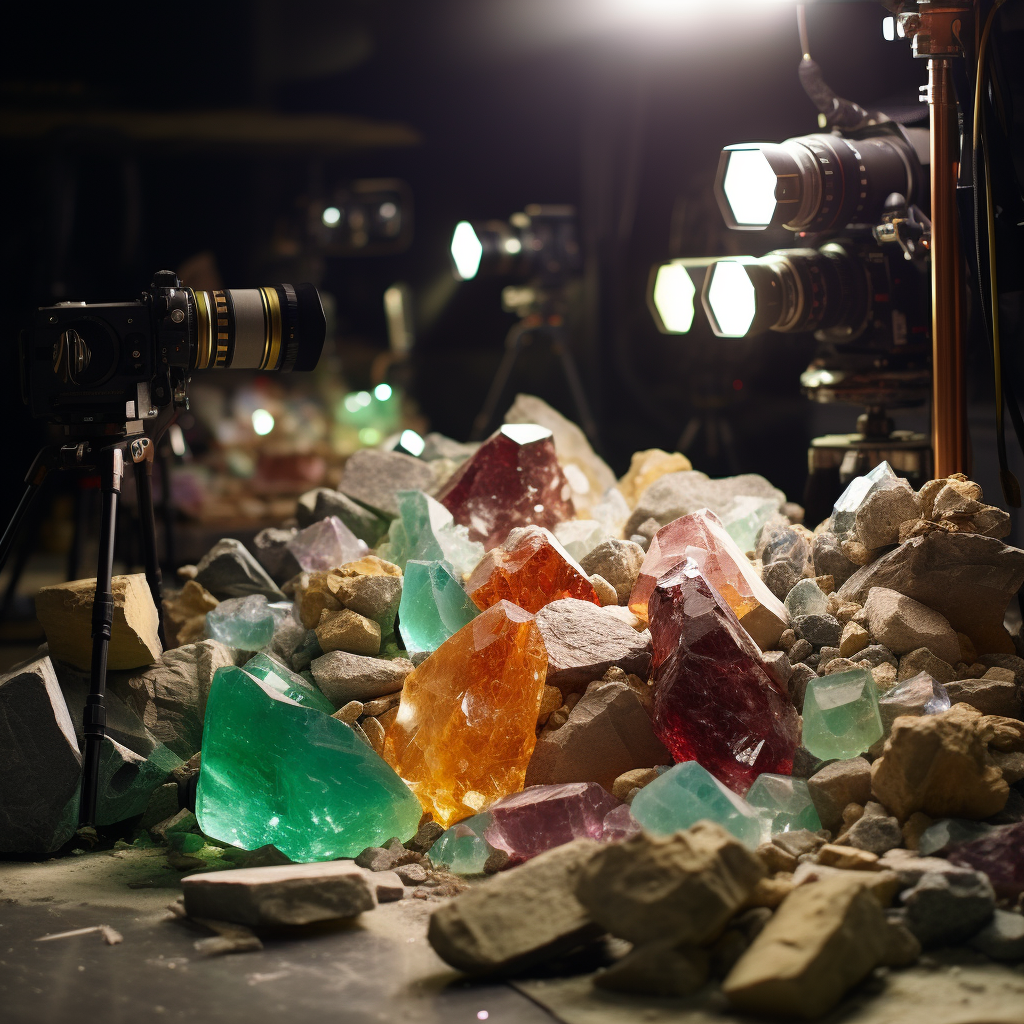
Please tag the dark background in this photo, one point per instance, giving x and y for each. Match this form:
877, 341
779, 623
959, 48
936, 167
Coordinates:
516, 101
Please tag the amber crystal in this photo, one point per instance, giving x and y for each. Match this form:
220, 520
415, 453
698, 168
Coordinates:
531, 569
714, 701
466, 725
514, 479
701, 537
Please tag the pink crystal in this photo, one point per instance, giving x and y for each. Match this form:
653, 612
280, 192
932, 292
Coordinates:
325, 545
514, 479
1000, 855
714, 701
542, 817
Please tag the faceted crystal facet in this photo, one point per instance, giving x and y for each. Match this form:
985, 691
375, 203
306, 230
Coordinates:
841, 717
701, 537
844, 514
919, 695
744, 518
1000, 855
542, 817
434, 606
326, 545
466, 725
289, 683
686, 794
274, 772
784, 802
514, 479
714, 701
531, 569
426, 532
806, 598
243, 622
462, 848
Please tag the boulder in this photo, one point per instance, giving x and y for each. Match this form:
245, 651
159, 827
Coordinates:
229, 570
903, 625
374, 476
344, 677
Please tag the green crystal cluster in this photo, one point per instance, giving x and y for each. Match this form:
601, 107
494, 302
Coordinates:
462, 848
425, 531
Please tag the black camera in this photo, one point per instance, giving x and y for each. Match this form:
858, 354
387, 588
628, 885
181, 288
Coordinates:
113, 362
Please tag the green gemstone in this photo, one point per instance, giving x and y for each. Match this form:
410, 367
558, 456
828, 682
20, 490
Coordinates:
688, 793
285, 681
784, 802
841, 717
744, 518
434, 606
243, 622
425, 531
275, 772
462, 849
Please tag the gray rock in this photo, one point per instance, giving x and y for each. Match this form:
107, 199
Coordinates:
947, 908
800, 650
829, 560
306, 652
909, 870
376, 597
322, 502
343, 677
377, 858
922, 660
901, 948
583, 641
617, 561
875, 655
373, 477
645, 532
780, 578
411, 874
40, 766
819, 630
270, 546
801, 675
780, 541
288, 638
1002, 938
968, 578
128, 780
387, 886
779, 667
427, 834
163, 803
229, 570
949, 832
805, 764
1010, 661
876, 831
989, 696
904, 625
838, 784
286, 894
437, 446
679, 494
880, 515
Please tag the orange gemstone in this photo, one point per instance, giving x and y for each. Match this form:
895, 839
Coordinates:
531, 569
466, 726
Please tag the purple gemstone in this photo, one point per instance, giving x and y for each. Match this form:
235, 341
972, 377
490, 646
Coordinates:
325, 545
1000, 855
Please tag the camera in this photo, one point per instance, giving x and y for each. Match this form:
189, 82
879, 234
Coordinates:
108, 363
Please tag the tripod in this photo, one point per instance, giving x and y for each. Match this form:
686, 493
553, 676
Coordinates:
108, 457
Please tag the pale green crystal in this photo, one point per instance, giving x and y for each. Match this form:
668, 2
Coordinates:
425, 531
434, 606
806, 598
580, 536
841, 717
784, 802
243, 622
744, 518
462, 849
292, 685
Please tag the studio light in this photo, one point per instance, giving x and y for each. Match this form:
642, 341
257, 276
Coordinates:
467, 251
672, 294
730, 298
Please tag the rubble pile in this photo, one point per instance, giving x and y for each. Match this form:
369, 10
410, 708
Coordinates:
758, 756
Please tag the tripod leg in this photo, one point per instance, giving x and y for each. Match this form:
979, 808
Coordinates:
513, 346
579, 396
34, 478
111, 464
142, 451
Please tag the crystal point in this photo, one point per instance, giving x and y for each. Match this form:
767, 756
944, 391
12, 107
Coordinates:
841, 716
434, 606
844, 513
326, 545
425, 531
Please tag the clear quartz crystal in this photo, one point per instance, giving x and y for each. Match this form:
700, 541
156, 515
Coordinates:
844, 514
243, 622
580, 536
325, 545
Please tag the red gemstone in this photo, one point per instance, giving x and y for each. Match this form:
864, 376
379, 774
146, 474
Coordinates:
514, 479
1000, 855
714, 701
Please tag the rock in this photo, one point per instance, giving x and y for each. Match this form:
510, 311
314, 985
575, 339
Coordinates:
968, 578
65, 613
797, 684
800, 651
838, 784
270, 546
228, 570
922, 660
680, 888
819, 630
778, 667
780, 578
374, 476
849, 857
1002, 938
387, 886
822, 940
519, 918
904, 625
989, 696
411, 874
628, 784
902, 948
185, 614
648, 466
127, 780
605, 591
827, 553
854, 638
947, 908
344, 677
938, 764
657, 969
40, 766
881, 883
775, 858
880, 515
875, 655
162, 804
607, 733
375, 596
583, 641
618, 562
322, 503
348, 631
798, 842
875, 832
1010, 661
286, 894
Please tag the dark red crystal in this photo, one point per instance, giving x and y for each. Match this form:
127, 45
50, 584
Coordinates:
514, 479
1000, 854
714, 702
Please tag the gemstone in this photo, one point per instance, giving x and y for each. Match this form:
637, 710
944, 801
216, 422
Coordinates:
326, 545
243, 622
426, 532
919, 695
688, 793
784, 802
466, 724
275, 772
1000, 855
542, 817
286, 682
941, 837
701, 537
841, 716
580, 536
744, 518
514, 479
434, 606
844, 513
806, 598
462, 848
531, 569
714, 701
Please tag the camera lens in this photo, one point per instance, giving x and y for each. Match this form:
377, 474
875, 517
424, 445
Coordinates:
276, 328
816, 182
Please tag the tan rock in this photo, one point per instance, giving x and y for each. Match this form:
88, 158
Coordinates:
315, 596
374, 732
657, 969
348, 631
824, 939
903, 625
606, 593
938, 764
681, 888
776, 859
838, 784
626, 786
65, 613
647, 466
853, 640
883, 884
550, 701
880, 516
349, 713
1001, 733
914, 827
847, 857
185, 614
770, 892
